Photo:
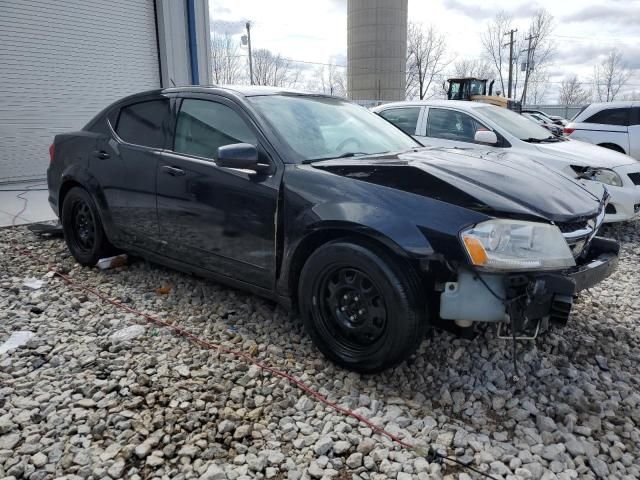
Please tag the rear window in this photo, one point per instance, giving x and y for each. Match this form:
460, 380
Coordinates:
141, 123
610, 116
573, 119
406, 118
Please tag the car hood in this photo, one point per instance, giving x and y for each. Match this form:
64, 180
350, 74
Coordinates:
585, 154
491, 183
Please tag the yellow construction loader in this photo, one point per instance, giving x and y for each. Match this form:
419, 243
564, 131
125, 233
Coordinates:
475, 90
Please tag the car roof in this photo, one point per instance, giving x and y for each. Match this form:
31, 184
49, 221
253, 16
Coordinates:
229, 90
463, 104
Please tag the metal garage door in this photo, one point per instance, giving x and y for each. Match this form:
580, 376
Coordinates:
61, 62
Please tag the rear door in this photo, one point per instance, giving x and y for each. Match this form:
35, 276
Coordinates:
125, 163
606, 126
221, 219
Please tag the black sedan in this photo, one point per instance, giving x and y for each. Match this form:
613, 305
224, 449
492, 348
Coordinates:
326, 208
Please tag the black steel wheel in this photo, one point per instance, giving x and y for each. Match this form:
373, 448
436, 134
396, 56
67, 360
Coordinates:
82, 227
353, 312
361, 306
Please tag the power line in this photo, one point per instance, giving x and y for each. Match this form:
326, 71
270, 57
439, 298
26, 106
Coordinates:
437, 76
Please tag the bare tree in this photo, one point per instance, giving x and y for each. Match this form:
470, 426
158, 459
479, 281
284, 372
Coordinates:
274, 70
572, 93
610, 76
226, 65
330, 79
632, 95
540, 47
493, 39
538, 86
479, 68
426, 59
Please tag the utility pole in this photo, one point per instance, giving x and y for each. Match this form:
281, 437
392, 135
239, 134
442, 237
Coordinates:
248, 25
527, 69
510, 43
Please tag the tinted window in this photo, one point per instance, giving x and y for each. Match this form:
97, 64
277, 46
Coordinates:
141, 123
406, 119
452, 125
203, 126
635, 116
611, 116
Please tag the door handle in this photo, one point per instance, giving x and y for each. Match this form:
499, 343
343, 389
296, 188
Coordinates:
101, 154
173, 171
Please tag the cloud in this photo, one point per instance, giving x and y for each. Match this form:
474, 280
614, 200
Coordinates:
233, 27
620, 14
483, 12
590, 55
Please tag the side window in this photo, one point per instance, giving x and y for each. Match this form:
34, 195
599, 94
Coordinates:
141, 123
203, 126
406, 119
635, 116
611, 116
452, 125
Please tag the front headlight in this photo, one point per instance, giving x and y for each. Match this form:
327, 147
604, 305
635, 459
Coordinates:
603, 175
608, 177
517, 245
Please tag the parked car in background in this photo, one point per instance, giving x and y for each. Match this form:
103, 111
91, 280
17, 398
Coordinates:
554, 119
558, 120
319, 204
614, 125
467, 124
544, 123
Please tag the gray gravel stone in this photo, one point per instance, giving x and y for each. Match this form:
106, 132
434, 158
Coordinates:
153, 405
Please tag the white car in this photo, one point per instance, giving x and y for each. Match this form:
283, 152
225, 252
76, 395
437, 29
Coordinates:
464, 124
614, 125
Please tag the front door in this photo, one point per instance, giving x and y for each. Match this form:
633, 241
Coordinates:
221, 219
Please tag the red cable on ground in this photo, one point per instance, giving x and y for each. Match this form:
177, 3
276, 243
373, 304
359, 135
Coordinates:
214, 346
422, 451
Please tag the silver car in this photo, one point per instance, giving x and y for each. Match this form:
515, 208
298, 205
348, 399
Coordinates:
463, 124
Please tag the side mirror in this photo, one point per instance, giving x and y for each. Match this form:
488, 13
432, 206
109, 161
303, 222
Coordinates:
486, 136
240, 155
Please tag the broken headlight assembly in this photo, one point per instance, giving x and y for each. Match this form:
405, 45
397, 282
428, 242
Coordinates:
602, 175
515, 245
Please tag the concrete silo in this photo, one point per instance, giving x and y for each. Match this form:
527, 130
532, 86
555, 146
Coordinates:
376, 49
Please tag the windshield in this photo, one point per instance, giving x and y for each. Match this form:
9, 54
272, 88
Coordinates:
321, 127
514, 123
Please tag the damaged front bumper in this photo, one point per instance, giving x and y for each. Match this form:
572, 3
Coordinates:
525, 300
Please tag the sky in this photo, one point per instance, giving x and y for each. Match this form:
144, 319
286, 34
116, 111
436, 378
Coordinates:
316, 31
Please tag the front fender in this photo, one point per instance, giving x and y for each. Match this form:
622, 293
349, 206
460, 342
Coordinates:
398, 233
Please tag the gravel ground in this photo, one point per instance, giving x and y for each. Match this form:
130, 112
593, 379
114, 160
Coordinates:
81, 402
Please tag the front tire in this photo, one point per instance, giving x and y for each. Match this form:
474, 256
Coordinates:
82, 228
361, 307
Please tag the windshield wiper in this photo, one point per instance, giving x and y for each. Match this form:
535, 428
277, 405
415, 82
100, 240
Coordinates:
344, 155
549, 139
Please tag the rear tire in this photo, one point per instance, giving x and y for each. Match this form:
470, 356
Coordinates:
82, 228
362, 307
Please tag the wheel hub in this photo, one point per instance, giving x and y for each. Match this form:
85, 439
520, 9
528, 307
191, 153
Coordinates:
354, 307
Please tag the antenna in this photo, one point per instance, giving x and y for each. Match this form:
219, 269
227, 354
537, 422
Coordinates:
172, 82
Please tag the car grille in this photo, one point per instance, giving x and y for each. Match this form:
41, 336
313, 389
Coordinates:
579, 234
635, 178
570, 227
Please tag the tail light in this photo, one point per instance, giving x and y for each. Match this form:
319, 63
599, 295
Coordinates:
568, 131
52, 151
